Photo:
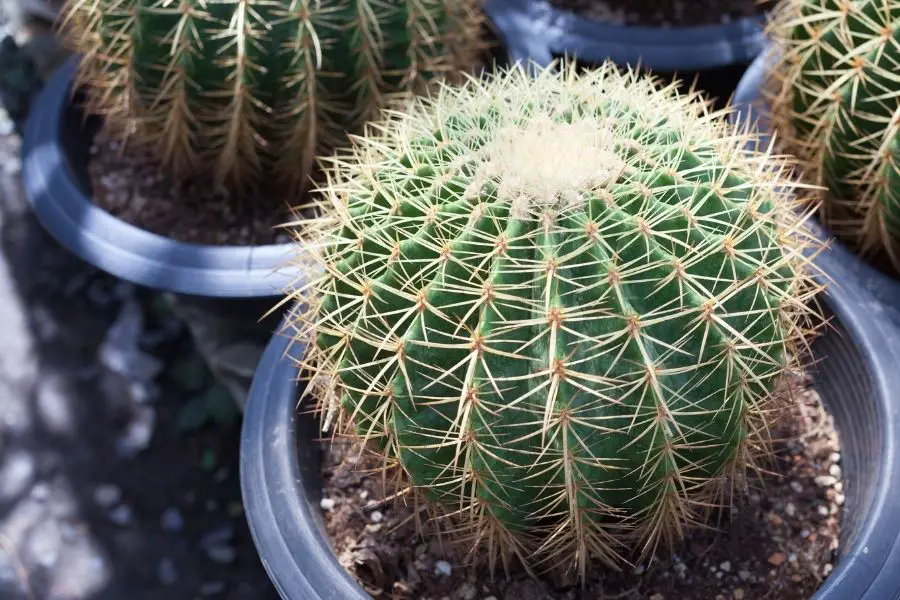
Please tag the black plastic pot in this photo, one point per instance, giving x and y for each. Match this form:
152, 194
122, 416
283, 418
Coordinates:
536, 30
856, 376
54, 169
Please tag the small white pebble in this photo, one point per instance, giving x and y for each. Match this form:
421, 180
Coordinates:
744, 575
822, 510
839, 499
363, 494
835, 470
790, 510
825, 480
839, 486
835, 457
12, 165
376, 516
795, 485
679, 569
827, 569
792, 557
327, 503
726, 566
442, 567
804, 533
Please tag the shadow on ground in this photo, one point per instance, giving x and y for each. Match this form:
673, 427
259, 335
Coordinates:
101, 496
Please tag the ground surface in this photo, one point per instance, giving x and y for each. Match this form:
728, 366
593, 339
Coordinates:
103, 496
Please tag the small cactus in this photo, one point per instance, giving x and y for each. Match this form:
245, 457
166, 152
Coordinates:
561, 305
835, 97
253, 89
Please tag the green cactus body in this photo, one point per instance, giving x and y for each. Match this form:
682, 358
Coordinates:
561, 305
839, 106
251, 88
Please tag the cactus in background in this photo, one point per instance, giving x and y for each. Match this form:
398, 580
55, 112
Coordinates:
836, 103
561, 305
246, 89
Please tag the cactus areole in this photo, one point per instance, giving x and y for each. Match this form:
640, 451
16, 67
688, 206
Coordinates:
247, 90
837, 107
561, 306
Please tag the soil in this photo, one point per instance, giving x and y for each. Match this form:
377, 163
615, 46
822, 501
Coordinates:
131, 185
665, 13
777, 543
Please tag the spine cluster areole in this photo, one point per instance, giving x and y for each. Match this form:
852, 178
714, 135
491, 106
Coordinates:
835, 95
562, 306
248, 90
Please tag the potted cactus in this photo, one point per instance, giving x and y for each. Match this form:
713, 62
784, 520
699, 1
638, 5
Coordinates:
560, 309
236, 98
826, 89
167, 151
711, 40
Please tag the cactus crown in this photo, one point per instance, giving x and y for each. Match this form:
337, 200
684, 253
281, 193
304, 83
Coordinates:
561, 305
835, 98
249, 88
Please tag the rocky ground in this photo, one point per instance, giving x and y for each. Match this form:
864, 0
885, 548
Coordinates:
116, 479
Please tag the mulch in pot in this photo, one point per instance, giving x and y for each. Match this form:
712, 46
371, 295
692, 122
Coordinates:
665, 13
132, 185
779, 542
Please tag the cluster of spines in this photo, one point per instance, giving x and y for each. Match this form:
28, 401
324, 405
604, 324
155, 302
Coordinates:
835, 99
479, 253
251, 89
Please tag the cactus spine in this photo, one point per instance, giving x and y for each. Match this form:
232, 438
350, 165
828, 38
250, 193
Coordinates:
246, 89
836, 102
561, 305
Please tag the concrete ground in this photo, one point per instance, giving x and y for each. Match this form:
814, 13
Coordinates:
103, 494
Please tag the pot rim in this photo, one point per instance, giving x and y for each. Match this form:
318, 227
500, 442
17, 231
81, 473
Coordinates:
543, 30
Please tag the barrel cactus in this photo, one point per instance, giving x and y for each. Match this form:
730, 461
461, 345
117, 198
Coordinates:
561, 305
836, 102
246, 89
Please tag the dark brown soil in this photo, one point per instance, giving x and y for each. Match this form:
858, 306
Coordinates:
665, 13
777, 543
131, 185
